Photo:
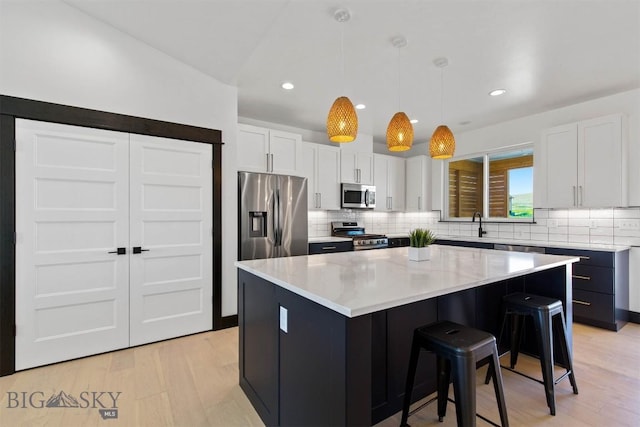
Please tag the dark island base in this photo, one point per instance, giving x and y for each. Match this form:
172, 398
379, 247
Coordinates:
328, 369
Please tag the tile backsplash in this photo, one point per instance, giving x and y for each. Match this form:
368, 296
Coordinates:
374, 222
604, 226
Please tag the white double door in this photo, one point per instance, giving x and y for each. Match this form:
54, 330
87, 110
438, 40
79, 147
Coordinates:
82, 196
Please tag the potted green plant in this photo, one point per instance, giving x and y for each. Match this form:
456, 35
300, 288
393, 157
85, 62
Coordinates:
419, 241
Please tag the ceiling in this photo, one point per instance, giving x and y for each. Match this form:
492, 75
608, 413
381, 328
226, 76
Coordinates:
546, 54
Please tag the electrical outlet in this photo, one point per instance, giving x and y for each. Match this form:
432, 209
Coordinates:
630, 224
552, 223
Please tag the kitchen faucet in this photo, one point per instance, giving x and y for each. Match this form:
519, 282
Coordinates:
473, 219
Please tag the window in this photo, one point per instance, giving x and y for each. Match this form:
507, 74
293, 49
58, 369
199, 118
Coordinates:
497, 184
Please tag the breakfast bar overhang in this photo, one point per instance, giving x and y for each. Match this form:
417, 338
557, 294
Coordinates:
325, 339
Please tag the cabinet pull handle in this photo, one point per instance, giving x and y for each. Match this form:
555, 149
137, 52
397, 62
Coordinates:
581, 198
419, 203
267, 162
574, 196
272, 163
326, 248
319, 200
355, 175
581, 302
584, 257
576, 276
390, 203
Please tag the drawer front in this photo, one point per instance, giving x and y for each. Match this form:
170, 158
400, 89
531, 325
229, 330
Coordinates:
595, 279
329, 247
597, 258
593, 305
396, 242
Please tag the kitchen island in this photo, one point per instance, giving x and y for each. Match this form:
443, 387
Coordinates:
325, 339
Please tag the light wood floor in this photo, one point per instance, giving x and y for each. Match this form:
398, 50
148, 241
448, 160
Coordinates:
193, 381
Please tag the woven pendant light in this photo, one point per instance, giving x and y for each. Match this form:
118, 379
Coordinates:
342, 120
442, 144
399, 133
400, 129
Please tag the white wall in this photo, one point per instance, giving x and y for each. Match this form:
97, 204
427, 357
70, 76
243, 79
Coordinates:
51, 52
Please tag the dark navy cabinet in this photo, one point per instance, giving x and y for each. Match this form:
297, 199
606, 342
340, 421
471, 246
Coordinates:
330, 247
600, 287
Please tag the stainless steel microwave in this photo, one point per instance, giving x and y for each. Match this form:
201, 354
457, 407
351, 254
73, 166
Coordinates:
358, 196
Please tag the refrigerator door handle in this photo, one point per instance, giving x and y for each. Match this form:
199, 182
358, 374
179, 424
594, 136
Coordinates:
274, 219
278, 232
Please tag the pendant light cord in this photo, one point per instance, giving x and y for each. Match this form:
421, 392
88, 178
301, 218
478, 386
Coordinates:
342, 54
398, 78
441, 95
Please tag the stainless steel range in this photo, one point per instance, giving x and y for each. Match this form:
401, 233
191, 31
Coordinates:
361, 240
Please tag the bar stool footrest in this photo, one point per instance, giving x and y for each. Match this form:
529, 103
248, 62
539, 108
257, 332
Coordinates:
433, 399
555, 381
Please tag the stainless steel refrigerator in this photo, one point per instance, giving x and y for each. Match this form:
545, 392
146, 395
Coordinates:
272, 216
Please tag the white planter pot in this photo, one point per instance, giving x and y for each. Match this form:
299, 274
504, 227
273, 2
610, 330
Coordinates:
419, 254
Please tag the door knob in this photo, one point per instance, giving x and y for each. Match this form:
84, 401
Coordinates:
138, 249
119, 251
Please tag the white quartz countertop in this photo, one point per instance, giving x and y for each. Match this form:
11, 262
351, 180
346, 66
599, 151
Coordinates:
361, 282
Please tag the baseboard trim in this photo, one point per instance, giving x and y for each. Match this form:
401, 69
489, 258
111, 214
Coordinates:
227, 322
634, 317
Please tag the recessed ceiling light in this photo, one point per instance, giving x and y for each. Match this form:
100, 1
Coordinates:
287, 85
497, 92
360, 107
414, 121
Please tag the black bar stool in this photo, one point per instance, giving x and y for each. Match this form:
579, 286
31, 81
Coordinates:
458, 349
543, 310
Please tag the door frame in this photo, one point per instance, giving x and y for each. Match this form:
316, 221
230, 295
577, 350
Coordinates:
12, 108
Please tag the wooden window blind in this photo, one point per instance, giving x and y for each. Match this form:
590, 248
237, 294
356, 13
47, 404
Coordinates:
465, 188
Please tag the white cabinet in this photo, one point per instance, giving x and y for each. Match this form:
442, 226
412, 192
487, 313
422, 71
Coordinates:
583, 164
267, 150
356, 167
417, 173
389, 179
321, 165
